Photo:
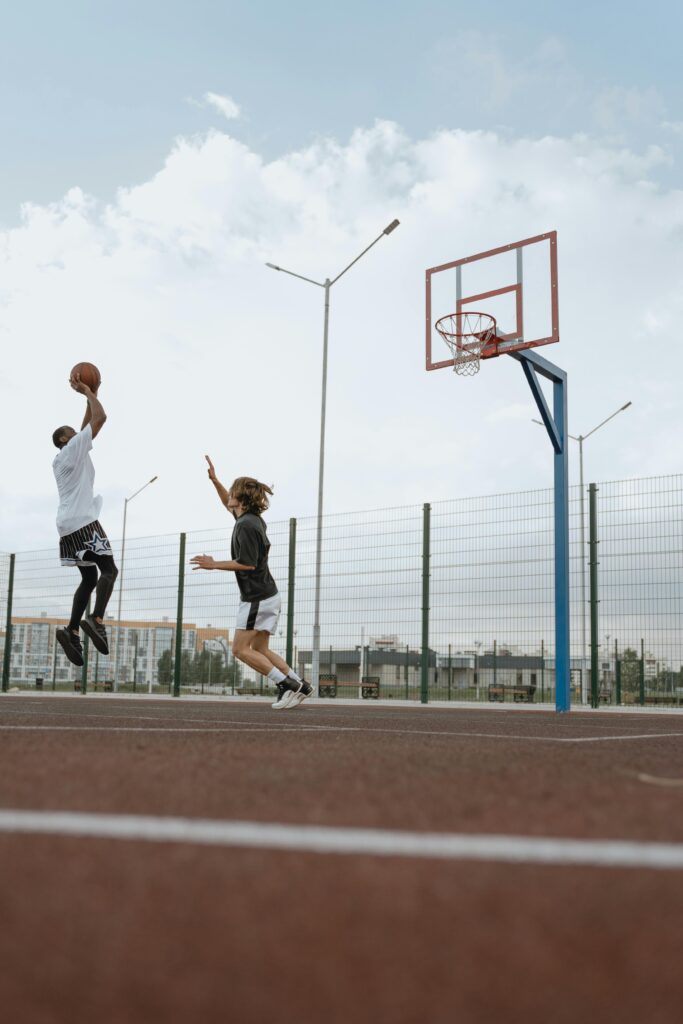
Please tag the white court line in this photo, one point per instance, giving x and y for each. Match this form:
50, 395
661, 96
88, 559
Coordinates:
356, 841
161, 728
285, 727
113, 715
159, 713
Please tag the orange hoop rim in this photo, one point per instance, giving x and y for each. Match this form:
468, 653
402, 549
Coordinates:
481, 332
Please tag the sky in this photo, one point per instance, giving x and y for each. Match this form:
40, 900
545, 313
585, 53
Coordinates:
156, 156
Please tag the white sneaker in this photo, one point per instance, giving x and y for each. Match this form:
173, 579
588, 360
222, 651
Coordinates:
298, 696
284, 696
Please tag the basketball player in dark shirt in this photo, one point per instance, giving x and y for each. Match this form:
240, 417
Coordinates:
260, 602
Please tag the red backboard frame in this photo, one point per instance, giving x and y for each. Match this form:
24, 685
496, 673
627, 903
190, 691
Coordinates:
504, 342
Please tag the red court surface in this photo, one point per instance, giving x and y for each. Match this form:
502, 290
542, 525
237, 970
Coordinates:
427, 895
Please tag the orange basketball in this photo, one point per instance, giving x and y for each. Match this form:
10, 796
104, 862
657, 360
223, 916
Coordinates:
88, 373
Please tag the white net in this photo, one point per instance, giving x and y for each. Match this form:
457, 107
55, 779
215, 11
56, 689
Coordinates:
466, 335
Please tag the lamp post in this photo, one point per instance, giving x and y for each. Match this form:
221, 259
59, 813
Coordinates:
123, 552
326, 285
581, 438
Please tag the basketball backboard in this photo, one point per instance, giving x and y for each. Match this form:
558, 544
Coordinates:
516, 284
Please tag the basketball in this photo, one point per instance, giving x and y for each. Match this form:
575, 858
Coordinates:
88, 373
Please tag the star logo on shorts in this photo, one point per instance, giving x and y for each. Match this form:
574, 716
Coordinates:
98, 545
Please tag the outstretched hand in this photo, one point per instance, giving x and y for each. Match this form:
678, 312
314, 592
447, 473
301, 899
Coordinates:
212, 471
202, 562
80, 386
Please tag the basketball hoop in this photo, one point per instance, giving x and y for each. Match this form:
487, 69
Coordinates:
466, 335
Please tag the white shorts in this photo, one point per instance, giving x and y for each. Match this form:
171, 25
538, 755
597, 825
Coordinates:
262, 615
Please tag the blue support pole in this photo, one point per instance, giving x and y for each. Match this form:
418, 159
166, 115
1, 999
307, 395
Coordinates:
562, 656
556, 425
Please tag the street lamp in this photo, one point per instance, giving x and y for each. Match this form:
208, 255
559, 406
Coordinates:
326, 285
581, 438
123, 552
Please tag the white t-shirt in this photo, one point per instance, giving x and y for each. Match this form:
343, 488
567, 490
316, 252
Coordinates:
75, 476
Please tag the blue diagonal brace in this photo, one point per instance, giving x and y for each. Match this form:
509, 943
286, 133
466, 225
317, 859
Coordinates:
546, 416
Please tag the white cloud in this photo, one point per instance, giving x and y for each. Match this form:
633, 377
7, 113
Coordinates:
225, 105
203, 349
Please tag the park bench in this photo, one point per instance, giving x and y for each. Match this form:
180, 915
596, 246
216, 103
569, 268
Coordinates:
521, 693
330, 686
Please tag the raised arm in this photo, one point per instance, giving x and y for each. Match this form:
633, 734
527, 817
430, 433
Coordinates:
87, 417
223, 494
94, 414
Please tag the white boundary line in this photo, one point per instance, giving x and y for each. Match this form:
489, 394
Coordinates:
285, 727
327, 840
181, 729
397, 705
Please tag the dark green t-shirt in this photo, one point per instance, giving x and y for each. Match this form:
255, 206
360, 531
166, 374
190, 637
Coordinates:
250, 546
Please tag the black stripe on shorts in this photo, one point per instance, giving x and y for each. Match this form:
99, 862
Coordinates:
253, 612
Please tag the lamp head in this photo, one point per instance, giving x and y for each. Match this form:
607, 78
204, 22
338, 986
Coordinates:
391, 227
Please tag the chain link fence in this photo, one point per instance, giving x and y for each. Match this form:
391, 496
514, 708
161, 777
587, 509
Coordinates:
448, 601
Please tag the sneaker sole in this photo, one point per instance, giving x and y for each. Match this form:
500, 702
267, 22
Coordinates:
293, 694
297, 699
71, 655
97, 640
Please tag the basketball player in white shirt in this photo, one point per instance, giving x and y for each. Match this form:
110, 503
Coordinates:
82, 540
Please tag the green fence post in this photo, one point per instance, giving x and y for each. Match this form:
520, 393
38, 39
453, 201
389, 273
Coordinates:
424, 676
177, 668
8, 628
617, 672
495, 665
642, 671
407, 668
86, 649
593, 564
84, 670
54, 659
135, 663
542, 671
449, 671
475, 673
290, 594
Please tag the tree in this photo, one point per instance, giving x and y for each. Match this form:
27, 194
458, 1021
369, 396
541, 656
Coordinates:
165, 669
630, 671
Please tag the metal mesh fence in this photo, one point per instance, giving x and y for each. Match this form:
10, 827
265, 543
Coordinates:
491, 590
640, 535
370, 599
487, 634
